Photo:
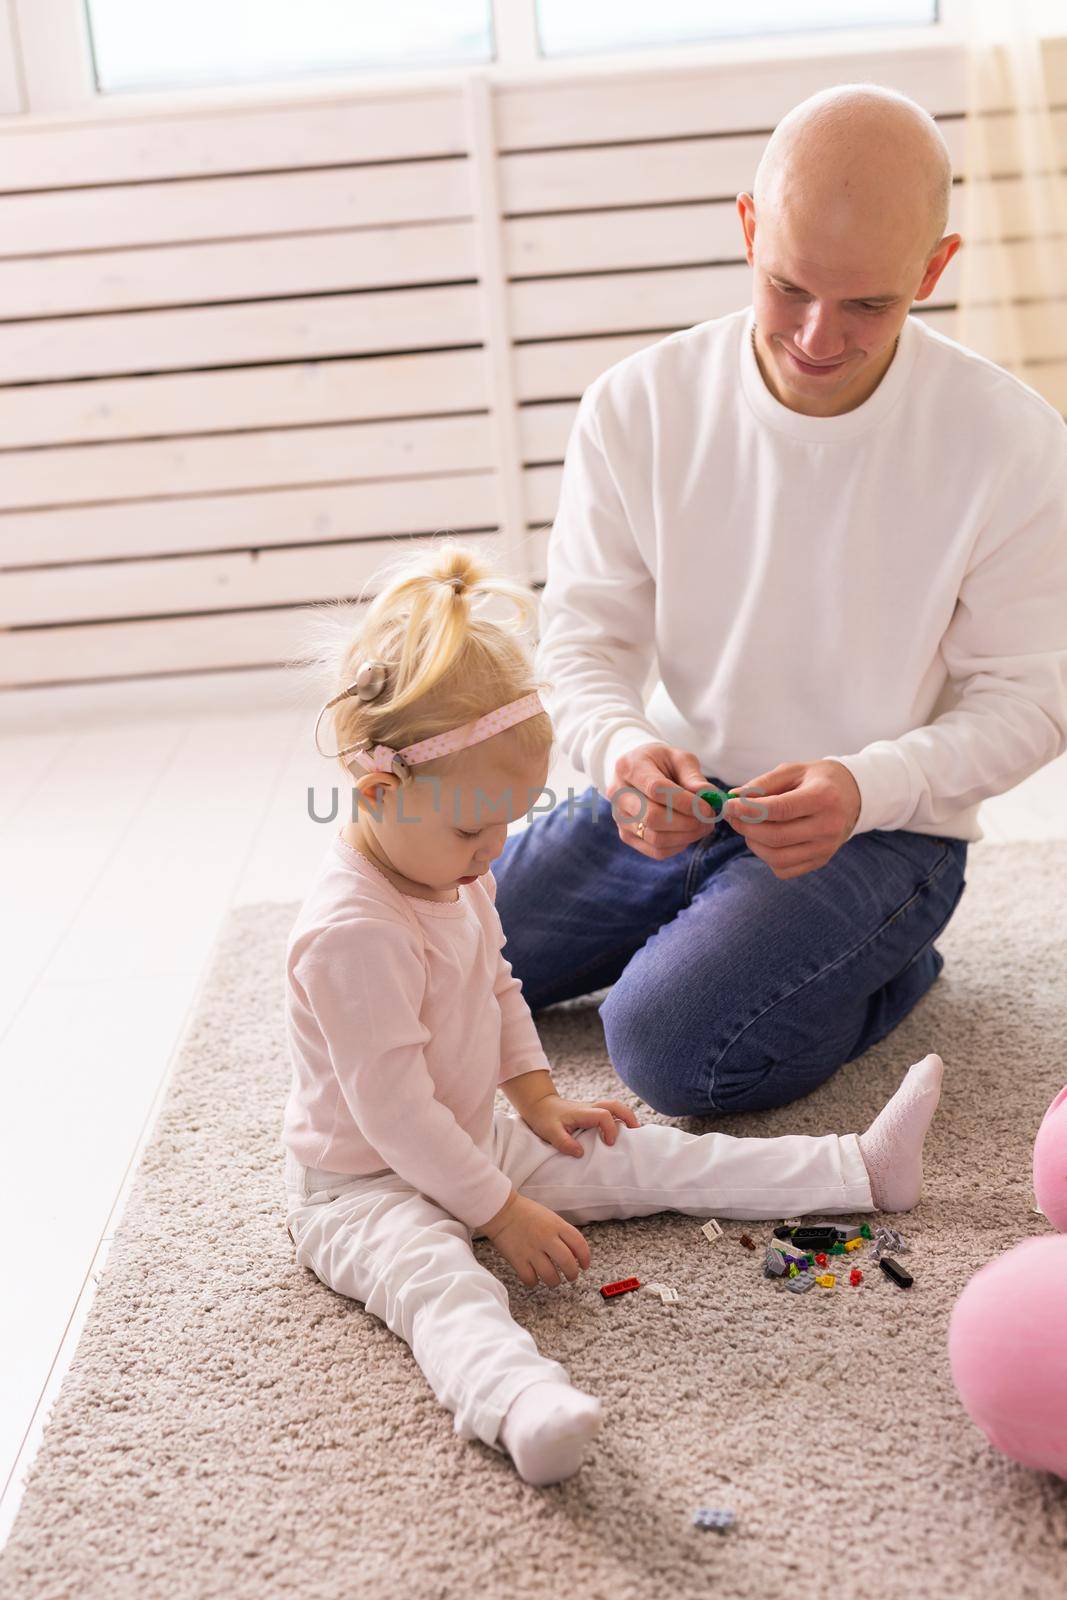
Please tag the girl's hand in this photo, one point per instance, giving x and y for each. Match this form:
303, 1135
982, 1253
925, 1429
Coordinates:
538, 1243
554, 1118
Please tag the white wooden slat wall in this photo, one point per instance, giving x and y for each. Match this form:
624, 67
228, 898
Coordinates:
242, 353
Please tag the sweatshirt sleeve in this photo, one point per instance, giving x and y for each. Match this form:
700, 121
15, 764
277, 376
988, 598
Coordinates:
521, 1049
1006, 650
368, 1007
597, 634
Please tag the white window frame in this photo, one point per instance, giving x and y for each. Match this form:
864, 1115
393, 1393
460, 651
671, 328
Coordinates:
46, 64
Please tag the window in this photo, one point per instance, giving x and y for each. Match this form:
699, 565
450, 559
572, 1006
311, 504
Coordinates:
187, 43
567, 28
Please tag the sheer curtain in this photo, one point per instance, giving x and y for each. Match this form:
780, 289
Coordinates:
1013, 263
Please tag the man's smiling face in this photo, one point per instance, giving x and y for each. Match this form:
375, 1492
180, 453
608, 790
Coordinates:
846, 236
827, 328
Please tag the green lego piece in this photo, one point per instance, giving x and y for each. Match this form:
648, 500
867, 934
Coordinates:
810, 1257
793, 1271
715, 798
837, 1248
865, 1231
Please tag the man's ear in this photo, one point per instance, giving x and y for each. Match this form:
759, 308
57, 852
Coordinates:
746, 210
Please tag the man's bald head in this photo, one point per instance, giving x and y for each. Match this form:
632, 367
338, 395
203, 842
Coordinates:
845, 230
859, 155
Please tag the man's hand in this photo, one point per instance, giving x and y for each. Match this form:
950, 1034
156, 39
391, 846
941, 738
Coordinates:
809, 807
552, 1118
669, 780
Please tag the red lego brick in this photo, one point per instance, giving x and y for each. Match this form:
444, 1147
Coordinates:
623, 1286
855, 1276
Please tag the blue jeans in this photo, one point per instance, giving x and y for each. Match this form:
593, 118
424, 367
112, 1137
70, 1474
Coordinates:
731, 989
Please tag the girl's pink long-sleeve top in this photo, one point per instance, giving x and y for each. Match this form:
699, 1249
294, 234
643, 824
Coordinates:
402, 1017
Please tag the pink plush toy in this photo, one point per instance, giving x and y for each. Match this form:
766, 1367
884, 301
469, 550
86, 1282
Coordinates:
1008, 1355
1007, 1339
1050, 1163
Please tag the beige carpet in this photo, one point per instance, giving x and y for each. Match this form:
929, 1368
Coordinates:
232, 1427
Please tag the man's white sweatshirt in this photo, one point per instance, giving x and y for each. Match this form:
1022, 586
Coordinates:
886, 588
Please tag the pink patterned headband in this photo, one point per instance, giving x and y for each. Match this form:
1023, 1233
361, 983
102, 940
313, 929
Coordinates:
383, 758
368, 684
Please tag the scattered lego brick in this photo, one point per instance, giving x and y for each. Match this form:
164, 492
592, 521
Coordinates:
718, 1517
747, 1240
711, 1230
624, 1285
801, 1283
855, 1276
808, 1238
667, 1295
889, 1239
774, 1264
821, 1259
894, 1270
826, 1279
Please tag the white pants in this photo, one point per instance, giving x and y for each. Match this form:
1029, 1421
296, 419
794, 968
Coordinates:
384, 1243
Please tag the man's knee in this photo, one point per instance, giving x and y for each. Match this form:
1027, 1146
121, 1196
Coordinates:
644, 1050
746, 1078
783, 1056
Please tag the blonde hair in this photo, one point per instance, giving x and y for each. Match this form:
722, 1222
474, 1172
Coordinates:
445, 665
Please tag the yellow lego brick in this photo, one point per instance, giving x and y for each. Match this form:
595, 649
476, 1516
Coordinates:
827, 1280
854, 1244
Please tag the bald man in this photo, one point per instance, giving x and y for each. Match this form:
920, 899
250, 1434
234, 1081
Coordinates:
840, 538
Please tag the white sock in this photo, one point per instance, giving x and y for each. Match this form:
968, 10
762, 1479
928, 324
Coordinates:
892, 1147
546, 1429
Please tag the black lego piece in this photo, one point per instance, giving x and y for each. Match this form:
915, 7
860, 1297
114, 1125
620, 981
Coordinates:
814, 1238
894, 1270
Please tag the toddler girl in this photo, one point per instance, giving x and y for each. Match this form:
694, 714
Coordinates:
403, 1019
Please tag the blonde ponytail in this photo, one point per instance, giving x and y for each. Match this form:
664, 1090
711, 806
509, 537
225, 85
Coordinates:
445, 663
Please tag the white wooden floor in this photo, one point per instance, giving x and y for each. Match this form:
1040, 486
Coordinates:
133, 817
